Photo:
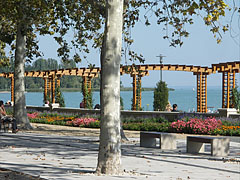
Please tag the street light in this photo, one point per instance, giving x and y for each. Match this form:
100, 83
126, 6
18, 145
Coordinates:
161, 62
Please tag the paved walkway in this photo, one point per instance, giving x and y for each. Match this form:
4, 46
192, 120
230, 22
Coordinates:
72, 157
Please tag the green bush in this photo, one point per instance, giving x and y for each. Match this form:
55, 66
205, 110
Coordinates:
228, 132
162, 127
236, 98
59, 97
87, 95
95, 124
144, 120
38, 120
121, 103
160, 96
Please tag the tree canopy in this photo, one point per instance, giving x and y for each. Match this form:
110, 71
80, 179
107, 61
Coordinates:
86, 19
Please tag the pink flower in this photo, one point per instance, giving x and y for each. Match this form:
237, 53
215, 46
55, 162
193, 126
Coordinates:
197, 125
32, 115
82, 121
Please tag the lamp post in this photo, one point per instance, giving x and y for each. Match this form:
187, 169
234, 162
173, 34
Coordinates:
161, 62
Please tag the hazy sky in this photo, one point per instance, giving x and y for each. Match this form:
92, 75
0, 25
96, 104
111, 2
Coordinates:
200, 48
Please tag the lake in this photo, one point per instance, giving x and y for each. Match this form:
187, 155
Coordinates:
185, 98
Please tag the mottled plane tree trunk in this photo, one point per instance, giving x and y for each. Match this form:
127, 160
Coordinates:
20, 112
109, 157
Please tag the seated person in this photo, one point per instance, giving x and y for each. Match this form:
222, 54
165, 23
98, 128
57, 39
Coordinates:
174, 108
47, 104
168, 107
97, 106
5, 118
8, 103
82, 104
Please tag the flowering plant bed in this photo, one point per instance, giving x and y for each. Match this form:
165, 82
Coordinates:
196, 125
61, 120
190, 125
210, 126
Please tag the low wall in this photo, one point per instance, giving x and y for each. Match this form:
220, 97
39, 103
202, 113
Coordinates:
235, 116
170, 116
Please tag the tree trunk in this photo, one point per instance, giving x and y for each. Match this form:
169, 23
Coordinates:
109, 157
20, 112
123, 136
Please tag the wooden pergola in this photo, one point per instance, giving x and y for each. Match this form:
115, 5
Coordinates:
52, 79
200, 72
229, 69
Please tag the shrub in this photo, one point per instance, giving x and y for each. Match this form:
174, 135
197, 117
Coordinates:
144, 119
230, 121
229, 130
59, 97
87, 94
95, 124
160, 96
236, 98
162, 127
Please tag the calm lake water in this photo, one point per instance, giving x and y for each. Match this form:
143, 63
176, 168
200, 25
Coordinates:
185, 98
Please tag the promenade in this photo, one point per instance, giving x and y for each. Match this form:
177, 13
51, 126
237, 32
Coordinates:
70, 156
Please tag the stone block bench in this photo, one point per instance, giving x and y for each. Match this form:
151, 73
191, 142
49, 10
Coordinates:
166, 140
219, 145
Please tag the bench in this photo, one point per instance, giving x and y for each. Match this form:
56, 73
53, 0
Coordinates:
166, 140
219, 145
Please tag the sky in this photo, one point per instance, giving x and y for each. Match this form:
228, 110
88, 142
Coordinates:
200, 48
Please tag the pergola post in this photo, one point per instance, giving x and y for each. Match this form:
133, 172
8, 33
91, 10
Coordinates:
228, 84
232, 86
49, 88
84, 90
139, 92
134, 103
12, 88
58, 81
53, 89
89, 85
205, 80
45, 89
201, 92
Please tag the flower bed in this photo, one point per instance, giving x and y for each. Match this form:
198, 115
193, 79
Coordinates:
61, 120
194, 125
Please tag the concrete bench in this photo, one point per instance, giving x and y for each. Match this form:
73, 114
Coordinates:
219, 145
166, 140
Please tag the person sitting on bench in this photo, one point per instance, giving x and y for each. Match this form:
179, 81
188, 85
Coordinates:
5, 118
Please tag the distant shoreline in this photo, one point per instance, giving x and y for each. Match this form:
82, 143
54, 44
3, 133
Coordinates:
4, 91
79, 90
